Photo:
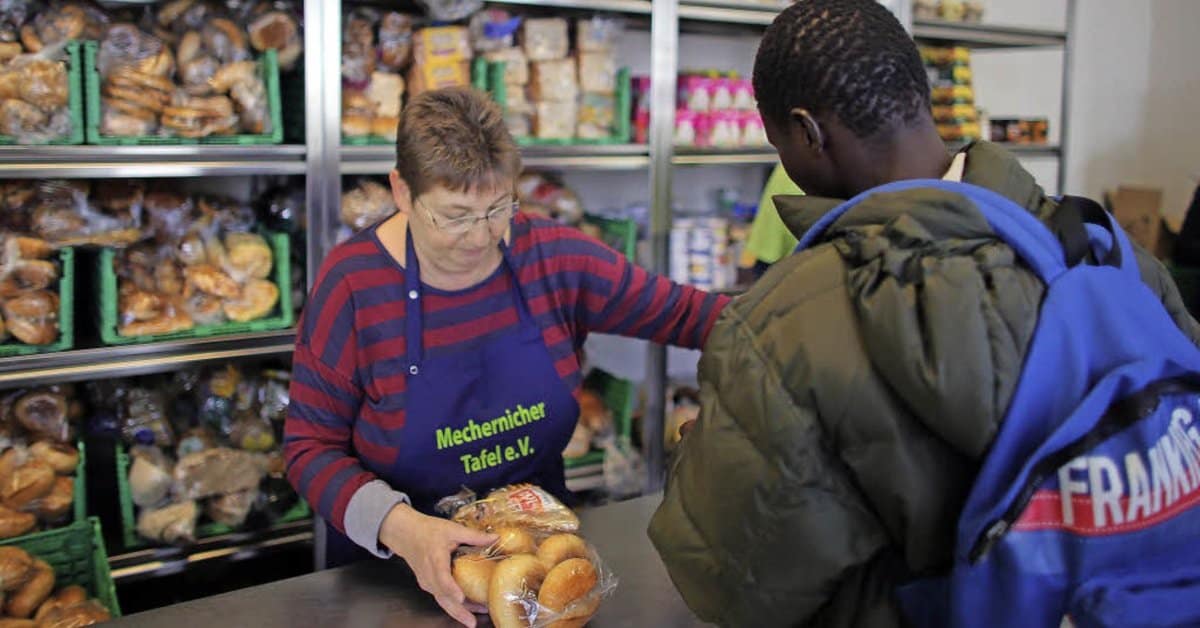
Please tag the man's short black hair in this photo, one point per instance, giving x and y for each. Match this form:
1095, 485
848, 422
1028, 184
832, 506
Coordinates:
847, 57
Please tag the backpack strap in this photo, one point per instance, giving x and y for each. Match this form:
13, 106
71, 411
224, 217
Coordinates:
1071, 225
1033, 241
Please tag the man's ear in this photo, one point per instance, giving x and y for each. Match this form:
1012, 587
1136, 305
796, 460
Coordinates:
803, 120
401, 193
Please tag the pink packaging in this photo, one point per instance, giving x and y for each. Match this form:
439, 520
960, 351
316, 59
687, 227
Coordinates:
743, 95
725, 129
685, 128
720, 94
704, 125
695, 93
752, 131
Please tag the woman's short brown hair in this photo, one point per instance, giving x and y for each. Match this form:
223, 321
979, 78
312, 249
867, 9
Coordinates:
455, 138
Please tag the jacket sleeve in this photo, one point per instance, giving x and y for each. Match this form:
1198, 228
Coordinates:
1155, 275
760, 523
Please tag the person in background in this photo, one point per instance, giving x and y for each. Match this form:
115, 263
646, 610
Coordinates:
449, 333
770, 240
848, 399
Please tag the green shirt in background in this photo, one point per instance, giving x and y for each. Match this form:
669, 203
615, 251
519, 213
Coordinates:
770, 239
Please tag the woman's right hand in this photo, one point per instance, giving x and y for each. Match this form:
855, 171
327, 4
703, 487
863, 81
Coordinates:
426, 544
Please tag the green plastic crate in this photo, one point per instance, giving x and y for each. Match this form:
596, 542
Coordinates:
129, 515
281, 320
623, 109
77, 555
619, 395
66, 312
621, 234
268, 69
74, 101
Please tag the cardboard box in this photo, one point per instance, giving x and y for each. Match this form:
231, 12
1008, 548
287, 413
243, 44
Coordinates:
1139, 212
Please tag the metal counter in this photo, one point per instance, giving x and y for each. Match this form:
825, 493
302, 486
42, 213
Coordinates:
380, 593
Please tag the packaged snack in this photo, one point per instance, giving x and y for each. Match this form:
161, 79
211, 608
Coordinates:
598, 34
743, 95
545, 39
395, 41
554, 81
149, 476
175, 523
695, 93
358, 47
685, 128
721, 94
597, 112
555, 120
385, 94
217, 471
597, 73
725, 130
493, 29
538, 573
438, 75
516, 66
277, 30
442, 44
753, 132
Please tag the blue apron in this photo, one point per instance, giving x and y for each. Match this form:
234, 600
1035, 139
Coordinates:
482, 418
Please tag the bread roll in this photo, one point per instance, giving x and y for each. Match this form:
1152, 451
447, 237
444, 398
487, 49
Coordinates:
16, 567
32, 481
356, 125
473, 573
26, 600
55, 505
516, 578
62, 458
15, 523
560, 547
568, 582
8, 622
512, 541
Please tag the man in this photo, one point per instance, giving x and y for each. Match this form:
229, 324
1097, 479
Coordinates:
848, 400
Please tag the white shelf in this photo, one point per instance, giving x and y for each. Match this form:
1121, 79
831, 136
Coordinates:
381, 159
118, 162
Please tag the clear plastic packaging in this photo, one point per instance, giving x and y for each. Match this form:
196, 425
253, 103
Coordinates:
366, 204
42, 413
599, 33
280, 30
217, 471
172, 524
358, 47
516, 66
395, 41
442, 44
555, 120
125, 45
554, 81
150, 476
597, 113
545, 39
597, 73
493, 29
386, 93
538, 572
232, 509
450, 10
438, 75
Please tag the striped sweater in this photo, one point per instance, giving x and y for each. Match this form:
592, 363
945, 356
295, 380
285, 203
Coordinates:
350, 348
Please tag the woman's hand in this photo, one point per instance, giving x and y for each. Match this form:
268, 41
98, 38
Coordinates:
426, 544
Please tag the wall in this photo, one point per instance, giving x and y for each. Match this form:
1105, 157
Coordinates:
1171, 147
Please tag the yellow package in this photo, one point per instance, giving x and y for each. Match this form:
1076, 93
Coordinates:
438, 75
446, 44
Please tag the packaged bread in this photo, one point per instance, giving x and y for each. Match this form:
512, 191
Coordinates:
385, 93
545, 39
597, 113
598, 34
395, 41
554, 81
535, 574
442, 44
555, 120
438, 75
519, 124
516, 66
516, 101
597, 73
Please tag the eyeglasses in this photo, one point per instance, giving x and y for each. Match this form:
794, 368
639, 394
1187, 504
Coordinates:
460, 226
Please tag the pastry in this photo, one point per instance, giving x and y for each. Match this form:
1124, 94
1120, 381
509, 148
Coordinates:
117, 124
30, 39
15, 523
196, 74
61, 458
514, 583
71, 616
44, 413
31, 481
10, 84
559, 547
251, 97
567, 583
145, 98
171, 11
10, 460
25, 600
386, 127
395, 40
170, 524
18, 117
232, 509
473, 573
16, 567
217, 106
161, 64
513, 540
209, 279
71, 595
134, 79
257, 300
33, 317
35, 274
190, 47
249, 254
56, 504
164, 324
273, 29
226, 40
8, 50
44, 84
385, 93
232, 73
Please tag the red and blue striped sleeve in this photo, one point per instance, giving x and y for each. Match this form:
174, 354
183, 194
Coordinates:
615, 296
325, 400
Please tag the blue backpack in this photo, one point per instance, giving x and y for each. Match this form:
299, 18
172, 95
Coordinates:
1087, 506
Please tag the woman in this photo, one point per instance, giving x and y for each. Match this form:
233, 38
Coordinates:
439, 348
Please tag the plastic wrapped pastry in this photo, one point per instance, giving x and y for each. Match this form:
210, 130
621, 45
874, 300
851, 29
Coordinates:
175, 523
395, 41
232, 509
366, 204
277, 30
555, 120
545, 39
385, 94
217, 472
358, 47
554, 81
150, 476
597, 73
598, 34
521, 505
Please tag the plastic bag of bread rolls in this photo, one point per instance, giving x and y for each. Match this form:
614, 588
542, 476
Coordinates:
539, 572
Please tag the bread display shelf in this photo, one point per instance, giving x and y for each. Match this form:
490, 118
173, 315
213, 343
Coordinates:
141, 359
66, 313
76, 552
74, 100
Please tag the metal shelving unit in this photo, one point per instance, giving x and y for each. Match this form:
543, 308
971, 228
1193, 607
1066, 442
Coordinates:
381, 159
162, 561
149, 161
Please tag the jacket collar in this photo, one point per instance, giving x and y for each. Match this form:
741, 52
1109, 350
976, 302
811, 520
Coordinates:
988, 166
